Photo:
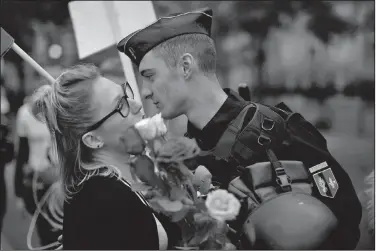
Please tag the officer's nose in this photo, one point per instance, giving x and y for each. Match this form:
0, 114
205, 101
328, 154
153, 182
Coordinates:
146, 92
134, 106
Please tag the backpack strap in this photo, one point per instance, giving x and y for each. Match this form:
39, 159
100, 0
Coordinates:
265, 125
268, 123
228, 138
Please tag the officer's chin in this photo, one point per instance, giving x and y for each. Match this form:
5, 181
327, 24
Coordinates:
168, 114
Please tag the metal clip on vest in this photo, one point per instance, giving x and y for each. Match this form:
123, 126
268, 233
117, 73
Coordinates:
282, 179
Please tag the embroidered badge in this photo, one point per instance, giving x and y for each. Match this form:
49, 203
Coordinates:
326, 183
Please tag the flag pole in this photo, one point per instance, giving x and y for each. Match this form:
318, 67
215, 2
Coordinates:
7, 43
32, 62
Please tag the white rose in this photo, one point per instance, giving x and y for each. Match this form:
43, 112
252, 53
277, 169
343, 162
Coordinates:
151, 128
147, 132
159, 124
222, 205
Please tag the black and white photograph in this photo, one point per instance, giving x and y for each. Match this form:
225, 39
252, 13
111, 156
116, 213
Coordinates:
187, 125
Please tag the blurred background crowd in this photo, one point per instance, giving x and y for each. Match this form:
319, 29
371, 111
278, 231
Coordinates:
316, 56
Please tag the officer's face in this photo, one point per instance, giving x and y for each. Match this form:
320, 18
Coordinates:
165, 86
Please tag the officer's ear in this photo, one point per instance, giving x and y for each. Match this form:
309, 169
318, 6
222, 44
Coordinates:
187, 65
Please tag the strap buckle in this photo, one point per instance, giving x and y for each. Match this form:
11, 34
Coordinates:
280, 171
267, 124
263, 140
284, 182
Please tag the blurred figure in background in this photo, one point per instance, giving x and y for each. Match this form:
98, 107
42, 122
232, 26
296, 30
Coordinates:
6, 148
35, 171
366, 92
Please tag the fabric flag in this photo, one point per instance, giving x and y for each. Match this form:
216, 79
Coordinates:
93, 31
6, 42
100, 24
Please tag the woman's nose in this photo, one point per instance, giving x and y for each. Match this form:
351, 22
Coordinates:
134, 106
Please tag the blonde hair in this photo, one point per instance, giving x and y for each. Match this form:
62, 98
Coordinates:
66, 108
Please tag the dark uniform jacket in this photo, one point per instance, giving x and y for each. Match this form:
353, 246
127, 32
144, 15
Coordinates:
346, 205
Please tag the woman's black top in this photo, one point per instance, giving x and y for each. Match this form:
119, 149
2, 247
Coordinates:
107, 214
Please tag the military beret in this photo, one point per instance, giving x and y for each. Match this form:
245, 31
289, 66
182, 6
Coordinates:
137, 44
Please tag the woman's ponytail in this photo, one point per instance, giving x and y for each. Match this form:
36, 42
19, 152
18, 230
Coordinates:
43, 107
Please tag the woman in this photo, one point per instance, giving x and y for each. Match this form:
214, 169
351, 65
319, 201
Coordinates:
91, 119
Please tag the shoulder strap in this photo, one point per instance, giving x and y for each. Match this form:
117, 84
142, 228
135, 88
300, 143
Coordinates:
228, 138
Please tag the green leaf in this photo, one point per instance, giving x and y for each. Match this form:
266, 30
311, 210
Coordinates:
221, 227
202, 218
190, 190
170, 206
187, 230
177, 193
200, 205
221, 239
140, 187
155, 205
187, 201
177, 216
198, 239
203, 233
211, 244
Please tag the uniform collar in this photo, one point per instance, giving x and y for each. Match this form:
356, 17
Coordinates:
208, 137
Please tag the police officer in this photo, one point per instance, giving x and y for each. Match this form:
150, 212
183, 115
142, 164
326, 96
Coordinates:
176, 58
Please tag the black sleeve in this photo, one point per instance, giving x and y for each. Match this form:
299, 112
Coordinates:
347, 207
116, 219
21, 160
345, 204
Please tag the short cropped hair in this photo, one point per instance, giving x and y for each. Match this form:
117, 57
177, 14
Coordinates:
200, 46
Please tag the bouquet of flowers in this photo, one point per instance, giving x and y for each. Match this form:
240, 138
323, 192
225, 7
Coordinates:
165, 178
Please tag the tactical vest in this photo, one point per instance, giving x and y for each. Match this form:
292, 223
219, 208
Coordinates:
279, 155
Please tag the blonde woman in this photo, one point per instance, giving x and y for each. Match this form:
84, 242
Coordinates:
91, 119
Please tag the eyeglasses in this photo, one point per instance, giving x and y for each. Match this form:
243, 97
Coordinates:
122, 107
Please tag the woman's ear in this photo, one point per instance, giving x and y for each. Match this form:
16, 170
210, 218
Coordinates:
92, 141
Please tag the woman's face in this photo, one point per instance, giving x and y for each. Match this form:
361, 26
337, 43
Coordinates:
116, 133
